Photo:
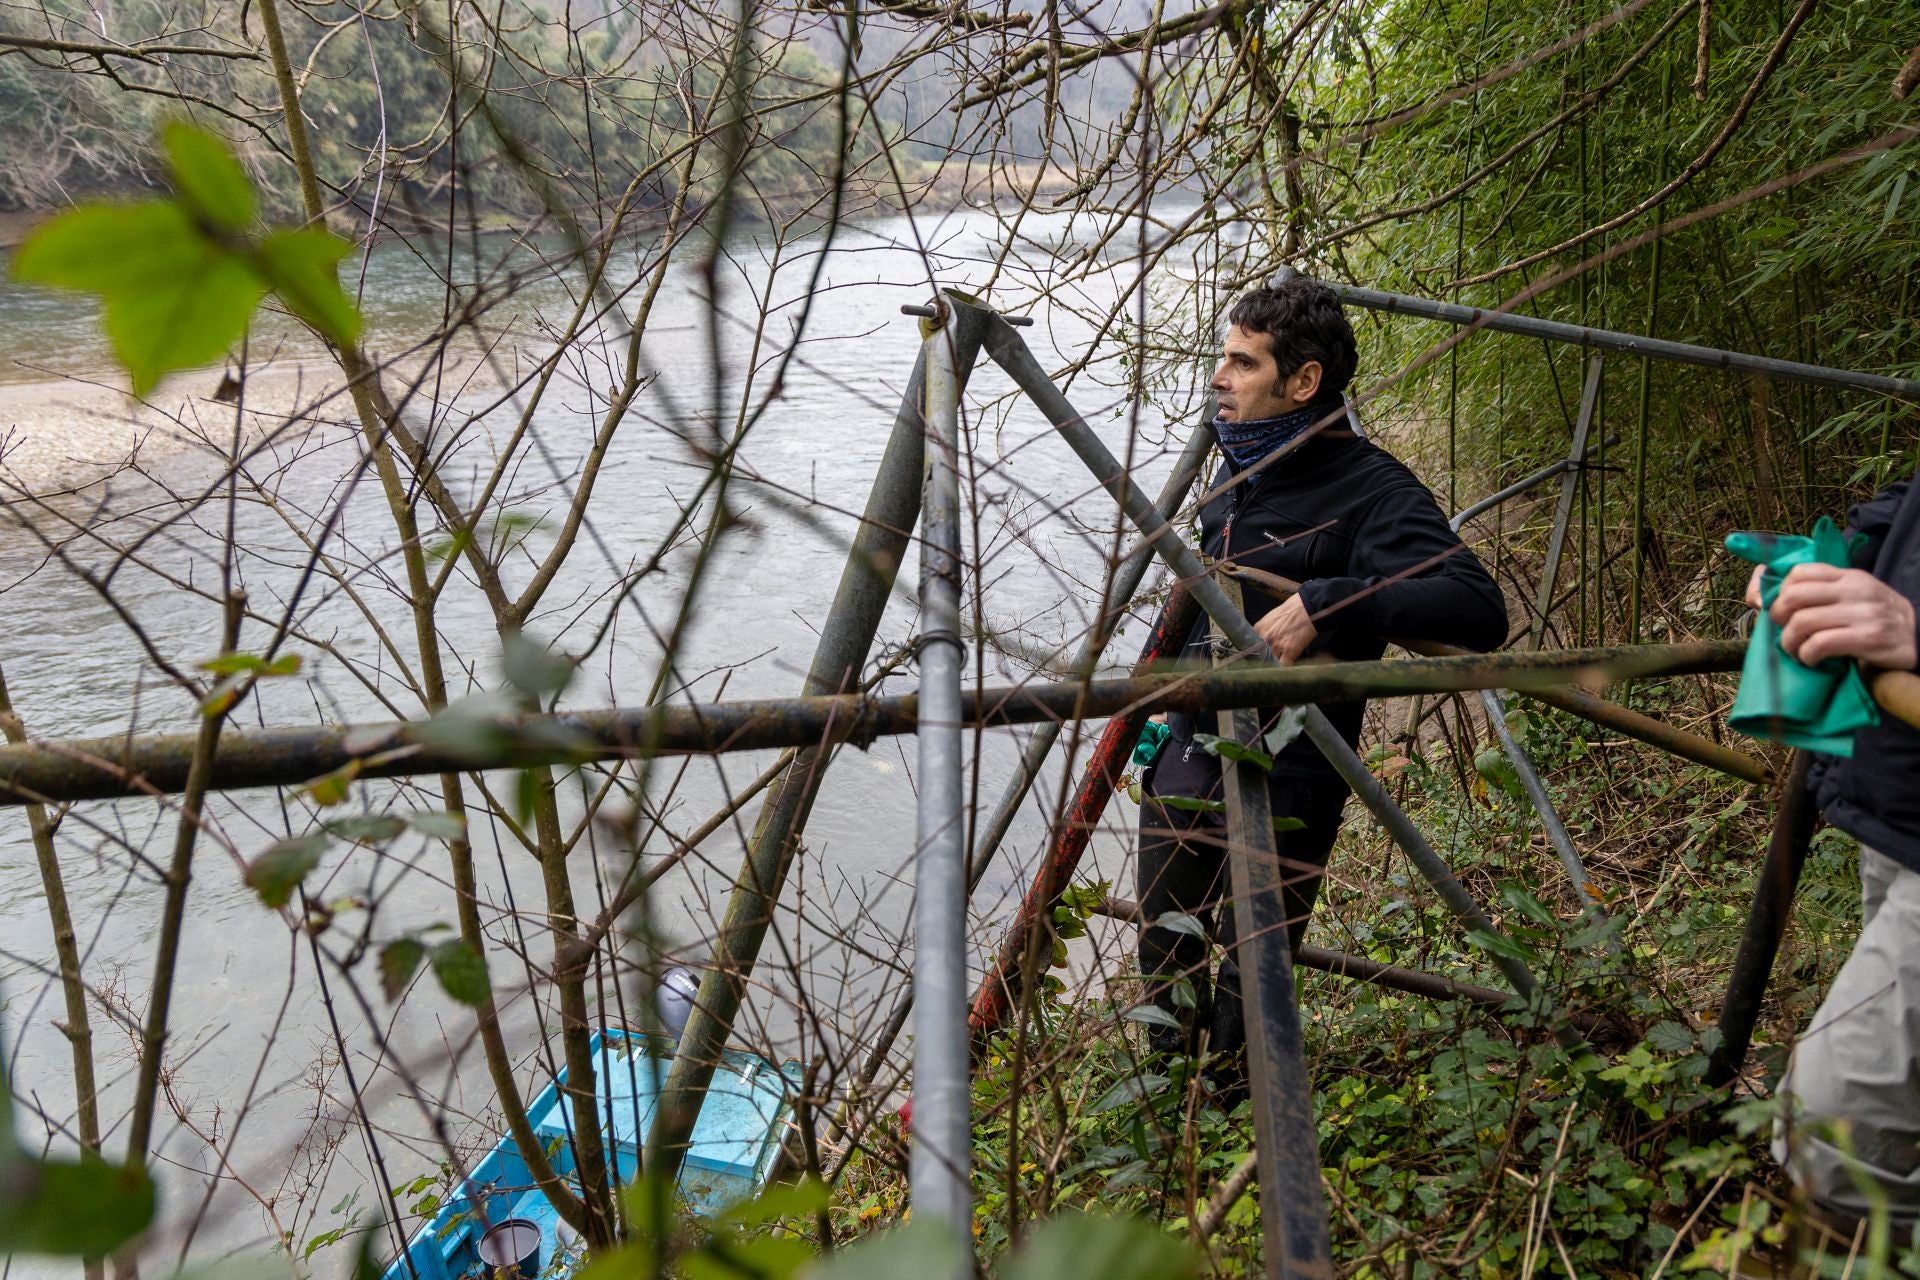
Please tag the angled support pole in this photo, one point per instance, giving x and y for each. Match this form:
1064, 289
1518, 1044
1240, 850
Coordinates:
1569, 483
1766, 923
1012, 355
1293, 1208
1126, 581
999, 991
873, 562
1536, 790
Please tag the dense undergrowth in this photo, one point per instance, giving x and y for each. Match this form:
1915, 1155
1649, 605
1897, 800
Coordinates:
1457, 1140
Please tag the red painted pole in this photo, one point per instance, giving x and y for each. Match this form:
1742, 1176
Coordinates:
998, 992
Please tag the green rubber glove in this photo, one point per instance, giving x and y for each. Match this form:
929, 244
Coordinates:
1814, 708
1153, 736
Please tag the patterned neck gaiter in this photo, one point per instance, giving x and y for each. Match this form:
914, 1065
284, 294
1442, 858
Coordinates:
1245, 443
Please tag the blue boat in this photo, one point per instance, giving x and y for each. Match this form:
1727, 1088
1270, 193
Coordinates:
734, 1145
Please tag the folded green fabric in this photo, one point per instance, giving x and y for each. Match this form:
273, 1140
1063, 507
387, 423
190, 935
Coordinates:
1153, 736
1814, 708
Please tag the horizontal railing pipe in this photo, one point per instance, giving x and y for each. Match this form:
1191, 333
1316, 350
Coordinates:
102, 768
1627, 343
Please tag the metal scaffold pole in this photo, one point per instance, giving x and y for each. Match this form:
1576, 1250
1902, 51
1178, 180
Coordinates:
1293, 1210
873, 562
938, 1167
1631, 344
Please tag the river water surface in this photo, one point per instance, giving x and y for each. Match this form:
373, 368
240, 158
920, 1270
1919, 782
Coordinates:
254, 1070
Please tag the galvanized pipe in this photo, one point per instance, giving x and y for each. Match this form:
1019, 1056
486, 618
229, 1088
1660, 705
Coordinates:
939, 1161
1679, 742
1520, 486
1418, 982
1126, 582
1625, 343
1012, 355
1543, 805
1766, 923
846, 637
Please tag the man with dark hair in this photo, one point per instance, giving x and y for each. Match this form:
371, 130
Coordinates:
1374, 560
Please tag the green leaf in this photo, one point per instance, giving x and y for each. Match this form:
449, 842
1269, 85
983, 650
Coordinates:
1101, 1248
1492, 764
462, 971
1153, 1015
371, 828
1289, 824
1500, 944
1181, 922
1190, 804
87, 1208
222, 696
233, 664
399, 960
730, 1257
527, 785
1227, 749
1670, 1037
474, 728
623, 1263
1131, 1089
330, 789
302, 267
532, 667
209, 179
190, 317
917, 1248
1290, 725
104, 248
440, 825
277, 872
173, 298
794, 1200
1527, 905
650, 1204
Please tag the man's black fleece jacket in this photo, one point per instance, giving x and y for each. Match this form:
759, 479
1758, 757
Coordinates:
1875, 795
1371, 551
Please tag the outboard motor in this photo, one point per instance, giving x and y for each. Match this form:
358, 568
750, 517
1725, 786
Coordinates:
674, 998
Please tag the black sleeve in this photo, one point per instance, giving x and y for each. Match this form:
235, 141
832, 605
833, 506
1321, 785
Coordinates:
1414, 580
1873, 518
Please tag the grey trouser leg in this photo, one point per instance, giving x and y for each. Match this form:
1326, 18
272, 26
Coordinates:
1858, 1062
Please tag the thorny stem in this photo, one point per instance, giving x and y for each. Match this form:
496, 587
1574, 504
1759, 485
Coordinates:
79, 1025
178, 877
374, 426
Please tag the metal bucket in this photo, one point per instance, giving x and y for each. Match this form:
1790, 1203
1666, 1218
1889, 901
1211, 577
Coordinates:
511, 1249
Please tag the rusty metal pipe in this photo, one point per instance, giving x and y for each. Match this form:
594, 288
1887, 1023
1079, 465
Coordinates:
102, 768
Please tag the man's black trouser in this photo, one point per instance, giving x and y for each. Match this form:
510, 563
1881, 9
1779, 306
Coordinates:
1182, 867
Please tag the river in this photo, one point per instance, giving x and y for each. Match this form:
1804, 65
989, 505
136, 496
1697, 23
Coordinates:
252, 1039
